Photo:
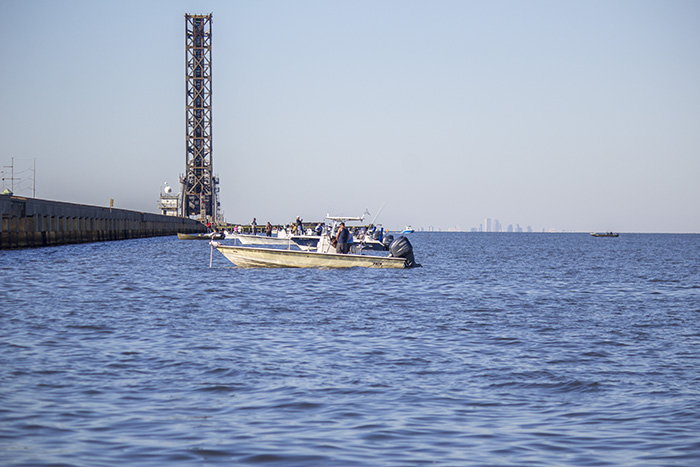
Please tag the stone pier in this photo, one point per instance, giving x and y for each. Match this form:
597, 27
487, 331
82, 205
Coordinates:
30, 222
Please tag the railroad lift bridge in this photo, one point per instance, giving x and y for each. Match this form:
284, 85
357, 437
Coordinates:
199, 187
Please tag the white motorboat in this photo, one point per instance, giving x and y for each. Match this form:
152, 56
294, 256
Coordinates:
247, 256
324, 256
249, 239
207, 236
283, 239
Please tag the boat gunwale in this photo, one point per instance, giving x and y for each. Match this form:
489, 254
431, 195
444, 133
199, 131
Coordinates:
344, 258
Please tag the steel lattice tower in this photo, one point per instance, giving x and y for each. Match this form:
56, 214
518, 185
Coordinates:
199, 185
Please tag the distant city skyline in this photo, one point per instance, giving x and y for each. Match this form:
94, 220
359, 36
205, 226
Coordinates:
494, 225
21, 180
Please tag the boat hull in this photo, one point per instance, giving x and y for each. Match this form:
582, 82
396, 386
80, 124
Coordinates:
245, 239
370, 244
303, 242
252, 257
185, 236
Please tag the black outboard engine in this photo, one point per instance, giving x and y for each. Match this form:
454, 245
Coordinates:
387, 241
402, 248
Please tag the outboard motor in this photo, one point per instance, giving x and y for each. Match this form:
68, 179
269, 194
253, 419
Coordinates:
402, 248
387, 241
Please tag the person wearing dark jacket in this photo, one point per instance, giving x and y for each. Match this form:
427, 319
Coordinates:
342, 236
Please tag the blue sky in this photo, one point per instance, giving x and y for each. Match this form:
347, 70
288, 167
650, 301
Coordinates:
576, 115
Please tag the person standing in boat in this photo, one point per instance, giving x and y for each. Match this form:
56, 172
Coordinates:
342, 237
253, 225
299, 227
268, 229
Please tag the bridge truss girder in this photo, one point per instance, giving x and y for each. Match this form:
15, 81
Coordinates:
199, 185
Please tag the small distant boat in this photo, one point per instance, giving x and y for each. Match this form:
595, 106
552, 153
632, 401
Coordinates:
605, 234
407, 230
208, 236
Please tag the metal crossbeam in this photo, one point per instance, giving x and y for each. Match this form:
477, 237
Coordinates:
199, 185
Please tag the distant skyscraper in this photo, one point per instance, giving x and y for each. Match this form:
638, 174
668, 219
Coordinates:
487, 225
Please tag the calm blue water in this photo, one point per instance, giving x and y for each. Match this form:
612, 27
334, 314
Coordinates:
504, 349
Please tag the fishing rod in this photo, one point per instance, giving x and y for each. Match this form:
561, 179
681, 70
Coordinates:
372, 223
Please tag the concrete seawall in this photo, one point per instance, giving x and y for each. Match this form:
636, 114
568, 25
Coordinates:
30, 222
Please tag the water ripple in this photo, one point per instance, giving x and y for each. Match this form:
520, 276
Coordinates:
539, 350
